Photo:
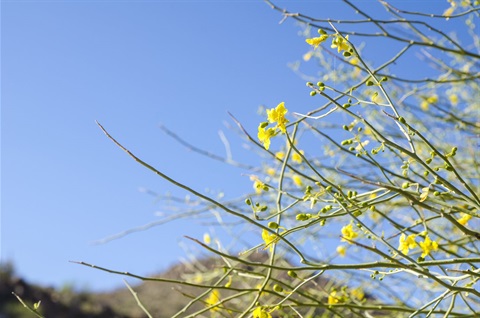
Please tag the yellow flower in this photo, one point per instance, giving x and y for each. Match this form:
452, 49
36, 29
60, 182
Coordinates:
280, 155
296, 157
206, 238
406, 243
342, 250
464, 219
427, 246
271, 171
297, 180
432, 99
264, 135
212, 299
315, 42
340, 43
448, 12
260, 313
358, 293
348, 233
258, 186
269, 239
333, 298
307, 56
277, 115
425, 104
453, 99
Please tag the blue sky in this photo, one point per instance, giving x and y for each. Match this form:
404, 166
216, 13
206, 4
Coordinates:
130, 65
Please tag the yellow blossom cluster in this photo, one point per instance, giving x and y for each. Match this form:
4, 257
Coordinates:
348, 233
407, 243
261, 313
340, 43
464, 219
269, 239
212, 299
274, 116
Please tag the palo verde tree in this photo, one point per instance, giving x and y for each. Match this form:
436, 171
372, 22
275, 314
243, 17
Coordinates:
367, 205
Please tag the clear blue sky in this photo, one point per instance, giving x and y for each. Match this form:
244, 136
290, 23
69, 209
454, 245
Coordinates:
130, 65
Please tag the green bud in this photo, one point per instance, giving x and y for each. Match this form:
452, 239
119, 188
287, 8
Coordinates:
345, 127
320, 84
302, 217
292, 274
347, 54
405, 185
313, 93
370, 83
277, 288
309, 83
273, 225
264, 124
248, 201
347, 105
428, 161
